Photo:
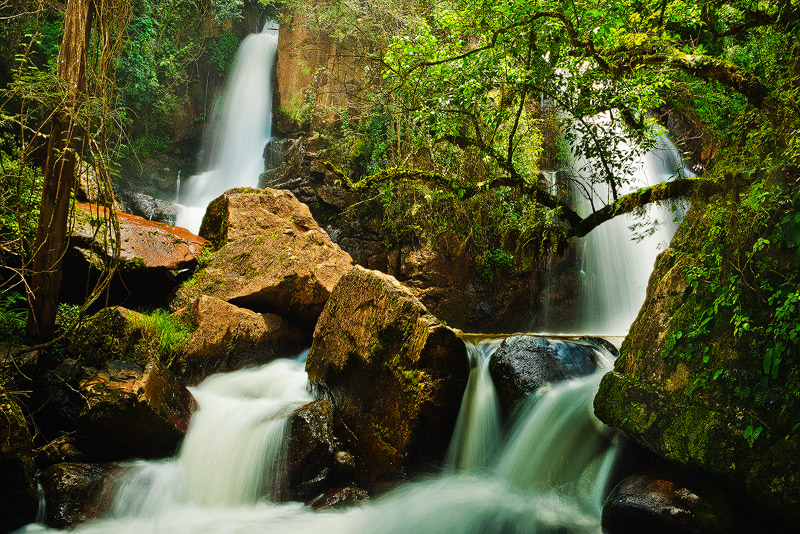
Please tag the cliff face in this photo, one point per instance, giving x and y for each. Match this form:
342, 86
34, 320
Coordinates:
315, 76
697, 381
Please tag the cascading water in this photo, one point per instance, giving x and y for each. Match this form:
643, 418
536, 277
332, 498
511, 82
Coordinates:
239, 131
615, 264
551, 474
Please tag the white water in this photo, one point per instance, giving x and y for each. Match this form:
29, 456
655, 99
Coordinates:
615, 264
239, 131
551, 474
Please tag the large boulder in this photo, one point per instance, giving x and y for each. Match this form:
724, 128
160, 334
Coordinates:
76, 492
394, 374
523, 364
126, 411
697, 381
226, 338
18, 500
151, 257
274, 258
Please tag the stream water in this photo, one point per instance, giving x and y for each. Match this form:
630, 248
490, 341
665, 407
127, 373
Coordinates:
547, 471
238, 131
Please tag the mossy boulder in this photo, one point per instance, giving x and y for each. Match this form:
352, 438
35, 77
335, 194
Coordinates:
77, 492
226, 337
692, 382
393, 372
18, 500
273, 258
109, 334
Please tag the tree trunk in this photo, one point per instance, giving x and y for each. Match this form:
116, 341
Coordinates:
59, 174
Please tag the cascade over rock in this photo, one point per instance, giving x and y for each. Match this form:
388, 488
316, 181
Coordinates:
523, 364
681, 405
226, 338
394, 374
273, 257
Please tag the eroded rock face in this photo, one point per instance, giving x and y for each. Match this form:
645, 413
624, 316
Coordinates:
523, 364
227, 338
340, 498
394, 374
133, 412
658, 502
77, 492
274, 258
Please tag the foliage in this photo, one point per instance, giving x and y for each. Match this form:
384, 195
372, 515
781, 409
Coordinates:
222, 51
13, 314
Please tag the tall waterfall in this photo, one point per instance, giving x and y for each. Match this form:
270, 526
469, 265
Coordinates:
239, 131
615, 262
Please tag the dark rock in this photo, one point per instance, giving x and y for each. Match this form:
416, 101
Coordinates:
274, 257
226, 338
340, 498
394, 374
661, 502
60, 450
76, 492
150, 208
18, 498
523, 364
313, 460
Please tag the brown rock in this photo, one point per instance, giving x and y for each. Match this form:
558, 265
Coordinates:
394, 374
227, 338
274, 257
143, 244
130, 412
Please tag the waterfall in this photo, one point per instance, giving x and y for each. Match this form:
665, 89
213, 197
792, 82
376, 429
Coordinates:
615, 263
549, 475
475, 437
239, 131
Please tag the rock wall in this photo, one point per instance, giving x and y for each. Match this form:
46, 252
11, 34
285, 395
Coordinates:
689, 384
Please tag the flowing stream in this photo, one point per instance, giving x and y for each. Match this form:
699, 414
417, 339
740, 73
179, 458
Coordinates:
549, 471
238, 132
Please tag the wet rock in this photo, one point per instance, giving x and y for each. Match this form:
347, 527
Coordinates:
127, 411
660, 502
76, 492
150, 208
312, 448
274, 258
18, 499
227, 338
339, 498
523, 364
394, 374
